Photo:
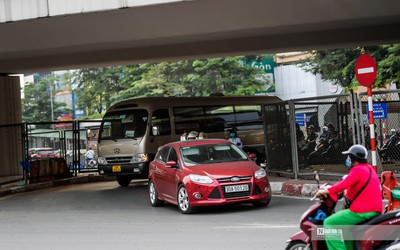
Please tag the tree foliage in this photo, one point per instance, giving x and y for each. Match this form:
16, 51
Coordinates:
338, 65
36, 104
98, 88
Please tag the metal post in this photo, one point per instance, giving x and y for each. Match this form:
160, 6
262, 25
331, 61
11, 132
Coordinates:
361, 125
372, 128
292, 121
353, 112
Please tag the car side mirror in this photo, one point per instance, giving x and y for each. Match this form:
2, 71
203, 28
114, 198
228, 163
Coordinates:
253, 156
171, 164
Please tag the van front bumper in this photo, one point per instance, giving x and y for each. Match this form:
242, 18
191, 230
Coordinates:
136, 169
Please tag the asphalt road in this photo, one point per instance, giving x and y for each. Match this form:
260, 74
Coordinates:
106, 216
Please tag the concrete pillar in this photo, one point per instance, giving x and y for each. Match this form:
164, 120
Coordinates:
10, 135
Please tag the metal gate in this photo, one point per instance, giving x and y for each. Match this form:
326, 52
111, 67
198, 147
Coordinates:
310, 134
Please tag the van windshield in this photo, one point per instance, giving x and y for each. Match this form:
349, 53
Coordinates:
124, 124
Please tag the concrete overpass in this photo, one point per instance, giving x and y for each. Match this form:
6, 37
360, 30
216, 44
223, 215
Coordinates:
44, 35
48, 35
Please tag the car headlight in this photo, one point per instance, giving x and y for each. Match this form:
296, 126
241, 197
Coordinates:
260, 173
102, 161
139, 158
202, 179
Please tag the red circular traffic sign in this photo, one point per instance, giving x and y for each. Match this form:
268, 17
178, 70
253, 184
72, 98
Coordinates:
366, 70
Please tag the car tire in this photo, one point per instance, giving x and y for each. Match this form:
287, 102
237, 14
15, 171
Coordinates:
182, 198
153, 195
123, 181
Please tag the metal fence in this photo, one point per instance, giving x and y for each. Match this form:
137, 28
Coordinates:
387, 127
314, 133
305, 135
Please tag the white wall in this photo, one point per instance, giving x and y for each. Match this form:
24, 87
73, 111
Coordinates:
14, 10
292, 82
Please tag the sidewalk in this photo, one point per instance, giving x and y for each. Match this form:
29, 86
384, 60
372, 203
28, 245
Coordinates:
279, 185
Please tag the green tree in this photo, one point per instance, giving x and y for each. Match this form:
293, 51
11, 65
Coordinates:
36, 104
194, 78
337, 65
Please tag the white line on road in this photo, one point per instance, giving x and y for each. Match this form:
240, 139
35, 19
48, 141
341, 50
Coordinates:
256, 226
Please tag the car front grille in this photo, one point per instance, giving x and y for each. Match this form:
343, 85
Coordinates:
118, 160
256, 190
229, 179
215, 194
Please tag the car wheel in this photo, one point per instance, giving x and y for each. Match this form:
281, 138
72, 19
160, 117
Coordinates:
296, 245
183, 201
153, 195
123, 181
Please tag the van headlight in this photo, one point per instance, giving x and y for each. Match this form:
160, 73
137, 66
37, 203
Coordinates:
260, 173
102, 161
139, 158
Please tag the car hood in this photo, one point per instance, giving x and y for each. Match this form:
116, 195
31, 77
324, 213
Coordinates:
226, 169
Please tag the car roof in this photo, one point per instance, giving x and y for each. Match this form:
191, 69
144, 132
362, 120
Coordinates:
196, 142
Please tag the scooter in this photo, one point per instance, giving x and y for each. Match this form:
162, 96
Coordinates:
380, 232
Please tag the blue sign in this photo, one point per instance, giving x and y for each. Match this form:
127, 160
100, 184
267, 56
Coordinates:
301, 119
380, 110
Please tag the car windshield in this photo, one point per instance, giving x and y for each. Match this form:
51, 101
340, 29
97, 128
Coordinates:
211, 153
126, 124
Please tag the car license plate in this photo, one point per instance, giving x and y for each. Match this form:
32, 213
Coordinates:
236, 188
116, 168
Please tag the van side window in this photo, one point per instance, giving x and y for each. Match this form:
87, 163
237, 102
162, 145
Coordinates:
248, 117
189, 119
160, 118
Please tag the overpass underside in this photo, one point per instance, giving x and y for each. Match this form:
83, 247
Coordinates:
48, 35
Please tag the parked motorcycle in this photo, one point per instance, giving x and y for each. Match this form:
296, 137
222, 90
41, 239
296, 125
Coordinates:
390, 150
381, 232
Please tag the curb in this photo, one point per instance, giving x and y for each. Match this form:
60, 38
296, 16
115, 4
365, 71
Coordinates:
294, 189
10, 190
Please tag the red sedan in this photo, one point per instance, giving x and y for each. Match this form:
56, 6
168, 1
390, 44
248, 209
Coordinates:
206, 173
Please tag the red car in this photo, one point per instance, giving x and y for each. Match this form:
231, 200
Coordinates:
207, 172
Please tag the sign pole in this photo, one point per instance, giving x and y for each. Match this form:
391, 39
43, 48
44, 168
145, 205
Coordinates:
366, 72
372, 128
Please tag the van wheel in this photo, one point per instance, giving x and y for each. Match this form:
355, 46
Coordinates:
124, 181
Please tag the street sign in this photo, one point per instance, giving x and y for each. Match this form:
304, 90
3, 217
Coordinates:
365, 70
302, 119
379, 110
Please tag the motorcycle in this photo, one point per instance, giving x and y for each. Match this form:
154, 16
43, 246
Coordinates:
391, 150
381, 232
91, 163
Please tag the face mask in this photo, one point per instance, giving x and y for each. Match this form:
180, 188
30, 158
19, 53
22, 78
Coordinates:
348, 163
232, 135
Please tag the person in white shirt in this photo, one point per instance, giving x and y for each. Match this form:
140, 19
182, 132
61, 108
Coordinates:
235, 139
89, 155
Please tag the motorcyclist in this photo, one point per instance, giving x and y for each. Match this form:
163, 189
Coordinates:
362, 188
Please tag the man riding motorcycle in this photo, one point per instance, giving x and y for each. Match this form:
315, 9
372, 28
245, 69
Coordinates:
362, 189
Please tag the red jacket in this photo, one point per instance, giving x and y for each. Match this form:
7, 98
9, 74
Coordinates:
370, 199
